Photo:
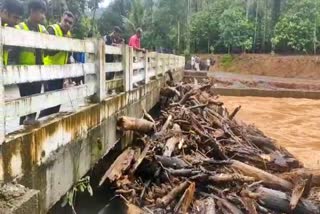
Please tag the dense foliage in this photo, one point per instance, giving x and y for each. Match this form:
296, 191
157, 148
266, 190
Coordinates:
220, 26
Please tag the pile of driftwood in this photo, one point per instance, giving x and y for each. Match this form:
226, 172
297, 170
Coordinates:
196, 158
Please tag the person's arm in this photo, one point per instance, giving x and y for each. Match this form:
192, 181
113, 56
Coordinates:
139, 49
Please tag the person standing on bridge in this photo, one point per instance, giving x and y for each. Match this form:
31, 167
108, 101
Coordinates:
61, 29
10, 13
135, 41
113, 39
30, 56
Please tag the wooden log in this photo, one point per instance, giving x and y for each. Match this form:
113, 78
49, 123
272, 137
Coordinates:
224, 178
267, 178
234, 113
119, 166
249, 205
228, 206
183, 172
301, 188
170, 76
169, 92
218, 150
187, 96
197, 106
134, 124
205, 97
147, 115
133, 209
315, 181
171, 162
166, 200
210, 206
186, 199
265, 144
280, 202
164, 127
171, 142
249, 200
140, 159
215, 121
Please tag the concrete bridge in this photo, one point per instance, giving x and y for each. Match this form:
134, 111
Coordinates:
47, 160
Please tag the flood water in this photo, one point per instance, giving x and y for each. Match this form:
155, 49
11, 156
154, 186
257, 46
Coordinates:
294, 123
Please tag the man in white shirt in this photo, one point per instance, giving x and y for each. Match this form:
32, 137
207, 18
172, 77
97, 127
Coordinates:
193, 60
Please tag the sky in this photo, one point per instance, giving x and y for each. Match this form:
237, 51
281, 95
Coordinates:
105, 3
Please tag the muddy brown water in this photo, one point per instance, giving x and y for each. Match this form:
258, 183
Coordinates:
294, 123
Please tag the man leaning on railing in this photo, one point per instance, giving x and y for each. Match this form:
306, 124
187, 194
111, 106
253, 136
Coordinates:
135, 41
10, 13
113, 39
30, 56
61, 29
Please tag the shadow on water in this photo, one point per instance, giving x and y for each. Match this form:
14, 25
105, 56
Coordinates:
104, 200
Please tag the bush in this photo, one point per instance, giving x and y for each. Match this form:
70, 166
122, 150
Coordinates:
226, 61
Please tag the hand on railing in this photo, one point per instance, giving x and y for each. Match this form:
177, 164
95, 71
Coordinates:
68, 83
140, 50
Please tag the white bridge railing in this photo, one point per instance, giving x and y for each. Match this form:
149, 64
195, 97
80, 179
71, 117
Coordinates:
127, 69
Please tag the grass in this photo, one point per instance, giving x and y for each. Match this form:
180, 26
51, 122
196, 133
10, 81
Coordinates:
227, 61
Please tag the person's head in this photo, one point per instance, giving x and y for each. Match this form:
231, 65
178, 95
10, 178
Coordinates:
67, 21
139, 32
117, 32
11, 12
37, 10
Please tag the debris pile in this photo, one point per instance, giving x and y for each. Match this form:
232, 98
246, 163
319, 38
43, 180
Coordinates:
196, 158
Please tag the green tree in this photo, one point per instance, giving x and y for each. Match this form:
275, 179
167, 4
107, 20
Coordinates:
236, 30
204, 29
113, 16
296, 30
220, 25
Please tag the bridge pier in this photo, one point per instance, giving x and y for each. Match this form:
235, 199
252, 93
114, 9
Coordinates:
54, 156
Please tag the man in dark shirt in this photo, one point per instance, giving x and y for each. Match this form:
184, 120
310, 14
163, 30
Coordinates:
113, 39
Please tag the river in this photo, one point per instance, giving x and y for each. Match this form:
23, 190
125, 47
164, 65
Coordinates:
294, 123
